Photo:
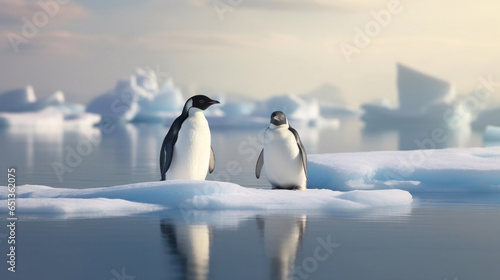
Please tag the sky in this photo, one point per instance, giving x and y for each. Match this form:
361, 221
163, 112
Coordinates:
254, 48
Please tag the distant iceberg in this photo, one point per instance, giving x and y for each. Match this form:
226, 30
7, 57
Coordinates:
296, 108
423, 99
191, 195
139, 98
21, 108
454, 170
300, 111
331, 103
487, 117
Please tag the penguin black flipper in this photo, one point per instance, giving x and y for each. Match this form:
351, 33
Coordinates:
167, 148
260, 163
211, 164
302, 150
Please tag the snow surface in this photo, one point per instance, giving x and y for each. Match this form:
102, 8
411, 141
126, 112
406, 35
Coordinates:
192, 195
465, 170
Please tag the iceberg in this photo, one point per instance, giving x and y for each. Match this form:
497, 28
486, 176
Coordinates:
332, 104
423, 99
296, 108
20, 107
118, 105
139, 98
48, 117
456, 170
487, 117
192, 195
18, 100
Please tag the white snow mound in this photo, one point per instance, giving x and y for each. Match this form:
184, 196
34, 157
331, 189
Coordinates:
465, 170
192, 195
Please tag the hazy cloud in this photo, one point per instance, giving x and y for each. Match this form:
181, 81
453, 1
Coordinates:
12, 11
293, 4
61, 43
220, 41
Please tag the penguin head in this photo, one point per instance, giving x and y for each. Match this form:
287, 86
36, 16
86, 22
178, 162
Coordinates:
201, 102
278, 118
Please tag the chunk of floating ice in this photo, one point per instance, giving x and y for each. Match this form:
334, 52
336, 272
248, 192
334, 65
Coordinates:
192, 195
492, 133
47, 117
50, 116
465, 170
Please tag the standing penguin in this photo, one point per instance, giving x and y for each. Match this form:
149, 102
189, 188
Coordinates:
284, 155
186, 152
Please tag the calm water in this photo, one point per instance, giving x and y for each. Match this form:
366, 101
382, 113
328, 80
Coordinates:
441, 236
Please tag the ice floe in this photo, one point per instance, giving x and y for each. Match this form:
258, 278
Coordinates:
192, 195
463, 170
21, 108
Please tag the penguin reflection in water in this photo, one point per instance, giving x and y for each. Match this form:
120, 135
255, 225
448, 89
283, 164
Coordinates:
283, 157
186, 152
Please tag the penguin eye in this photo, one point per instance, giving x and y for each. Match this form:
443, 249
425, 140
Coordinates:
201, 101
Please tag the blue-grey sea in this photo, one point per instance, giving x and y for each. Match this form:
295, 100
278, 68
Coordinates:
453, 236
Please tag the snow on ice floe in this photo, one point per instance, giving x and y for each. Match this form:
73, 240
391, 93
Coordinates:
139, 98
423, 99
192, 195
465, 170
21, 108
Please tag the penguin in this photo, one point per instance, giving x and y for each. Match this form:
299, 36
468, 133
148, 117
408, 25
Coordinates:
284, 155
186, 152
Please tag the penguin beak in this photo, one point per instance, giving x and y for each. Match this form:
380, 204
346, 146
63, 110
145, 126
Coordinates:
276, 119
213, 102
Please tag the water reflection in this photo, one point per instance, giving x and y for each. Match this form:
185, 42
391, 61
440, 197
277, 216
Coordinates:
191, 246
207, 244
283, 237
419, 137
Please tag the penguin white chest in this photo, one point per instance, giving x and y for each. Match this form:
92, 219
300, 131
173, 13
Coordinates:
282, 159
191, 155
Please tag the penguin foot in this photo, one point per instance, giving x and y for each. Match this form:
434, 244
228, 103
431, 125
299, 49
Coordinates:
292, 188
